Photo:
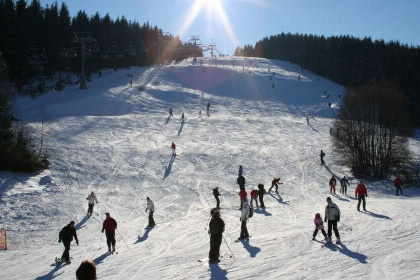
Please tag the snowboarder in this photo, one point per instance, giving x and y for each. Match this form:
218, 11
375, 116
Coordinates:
151, 208
275, 182
173, 147
344, 182
66, 236
216, 196
240, 171
86, 271
261, 193
241, 182
361, 193
109, 226
398, 184
333, 183
332, 216
92, 199
254, 195
322, 155
244, 219
170, 112
319, 225
131, 83
208, 105
242, 195
216, 229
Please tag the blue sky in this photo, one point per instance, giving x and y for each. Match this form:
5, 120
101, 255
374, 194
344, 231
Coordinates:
231, 23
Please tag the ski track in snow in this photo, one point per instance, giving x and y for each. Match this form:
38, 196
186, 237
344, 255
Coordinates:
115, 140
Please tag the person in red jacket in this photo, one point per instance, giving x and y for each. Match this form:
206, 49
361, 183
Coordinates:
242, 195
254, 196
109, 226
173, 147
275, 182
398, 183
361, 192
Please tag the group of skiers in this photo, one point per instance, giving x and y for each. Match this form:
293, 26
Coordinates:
109, 226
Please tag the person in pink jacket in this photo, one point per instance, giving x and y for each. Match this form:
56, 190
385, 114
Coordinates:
319, 225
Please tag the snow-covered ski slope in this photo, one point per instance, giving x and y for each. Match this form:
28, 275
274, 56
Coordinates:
115, 140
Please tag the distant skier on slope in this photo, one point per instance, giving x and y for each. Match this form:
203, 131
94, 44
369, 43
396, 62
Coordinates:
361, 194
319, 225
170, 112
332, 216
344, 184
216, 229
151, 208
254, 196
173, 147
398, 184
66, 236
91, 199
216, 196
241, 182
208, 105
322, 155
333, 183
261, 193
275, 182
109, 226
244, 219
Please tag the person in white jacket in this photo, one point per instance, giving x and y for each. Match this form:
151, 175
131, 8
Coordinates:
244, 219
151, 208
91, 199
332, 216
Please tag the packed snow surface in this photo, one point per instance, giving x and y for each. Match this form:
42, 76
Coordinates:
115, 140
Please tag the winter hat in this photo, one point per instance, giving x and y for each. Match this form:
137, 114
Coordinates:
72, 223
317, 215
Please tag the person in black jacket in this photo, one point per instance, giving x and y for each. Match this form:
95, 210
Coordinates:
216, 229
261, 193
216, 195
241, 182
66, 236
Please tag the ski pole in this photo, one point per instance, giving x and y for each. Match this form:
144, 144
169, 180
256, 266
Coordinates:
122, 237
349, 227
207, 223
229, 248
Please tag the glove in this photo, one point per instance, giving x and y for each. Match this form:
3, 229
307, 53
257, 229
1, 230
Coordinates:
240, 219
102, 231
145, 210
325, 220
59, 241
77, 242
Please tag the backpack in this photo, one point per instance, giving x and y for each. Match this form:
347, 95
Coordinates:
251, 212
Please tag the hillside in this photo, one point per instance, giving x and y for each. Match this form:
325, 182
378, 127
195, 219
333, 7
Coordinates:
115, 140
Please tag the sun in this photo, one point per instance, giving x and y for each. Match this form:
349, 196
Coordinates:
215, 12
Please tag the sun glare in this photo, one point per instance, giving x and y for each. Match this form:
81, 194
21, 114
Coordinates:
215, 16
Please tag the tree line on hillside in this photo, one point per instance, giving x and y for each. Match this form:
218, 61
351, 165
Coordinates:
40, 41
349, 61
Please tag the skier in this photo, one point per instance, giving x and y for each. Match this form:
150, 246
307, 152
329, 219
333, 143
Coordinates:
332, 216
398, 184
241, 182
109, 226
333, 182
66, 236
361, 192
91, 198
244, 219
261, 193
199, 114
216, 229
208, 105
307, 120
275, 182
216, 196
182, 116
240, 171
173, 147
319, 225
131, 83
344, 183
86, 271
322, 155
242, 195
170, 112
151, 208
254, 195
